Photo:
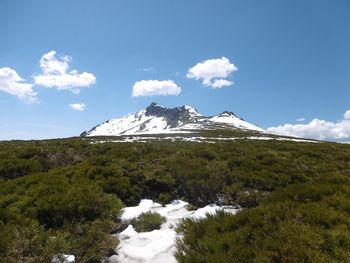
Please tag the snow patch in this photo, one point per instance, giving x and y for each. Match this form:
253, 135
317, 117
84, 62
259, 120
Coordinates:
236, 122
128, 232
280, 139
192, 111
187, 138
63, 258
157, 246
132, 212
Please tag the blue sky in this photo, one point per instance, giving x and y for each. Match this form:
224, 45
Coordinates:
292, 59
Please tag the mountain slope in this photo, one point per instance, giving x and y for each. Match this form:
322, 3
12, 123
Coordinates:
159, 120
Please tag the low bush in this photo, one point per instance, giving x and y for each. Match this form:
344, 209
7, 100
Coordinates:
299, 223
147, 222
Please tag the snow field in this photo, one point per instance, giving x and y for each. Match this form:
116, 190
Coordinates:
157, 246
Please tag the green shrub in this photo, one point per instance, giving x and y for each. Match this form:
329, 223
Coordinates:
147, 222
298, 223
92, 241
26, 241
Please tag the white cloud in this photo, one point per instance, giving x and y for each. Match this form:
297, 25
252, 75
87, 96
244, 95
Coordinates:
219, 83
78, 106
317, 129
12, 83
300, 119
347, 115
56, 74
50, 64
155, 87
212, 72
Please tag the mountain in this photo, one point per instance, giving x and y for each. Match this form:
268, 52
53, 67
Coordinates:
160, 120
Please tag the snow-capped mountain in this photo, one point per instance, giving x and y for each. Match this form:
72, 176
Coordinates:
159, 120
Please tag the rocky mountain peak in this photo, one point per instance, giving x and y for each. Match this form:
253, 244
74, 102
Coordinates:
173, 116
156, 119
228, 114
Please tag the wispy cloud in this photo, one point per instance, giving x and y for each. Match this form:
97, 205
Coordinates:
56, 75
213, 72
318, 129
78, 106
155, 87
300, 119
12, 83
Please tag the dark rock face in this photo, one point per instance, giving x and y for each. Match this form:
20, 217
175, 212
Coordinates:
173, 116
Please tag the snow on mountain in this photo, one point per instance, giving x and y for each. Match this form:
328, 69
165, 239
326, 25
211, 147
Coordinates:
160, 120
230, 118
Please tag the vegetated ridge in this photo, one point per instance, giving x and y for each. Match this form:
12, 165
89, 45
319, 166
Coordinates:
65, 196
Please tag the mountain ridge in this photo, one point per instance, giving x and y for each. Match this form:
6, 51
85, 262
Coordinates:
156, 119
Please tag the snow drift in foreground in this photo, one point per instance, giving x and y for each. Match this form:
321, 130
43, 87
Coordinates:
157, 246
63, 258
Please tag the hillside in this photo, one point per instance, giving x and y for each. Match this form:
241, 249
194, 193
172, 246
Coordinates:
64, 196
